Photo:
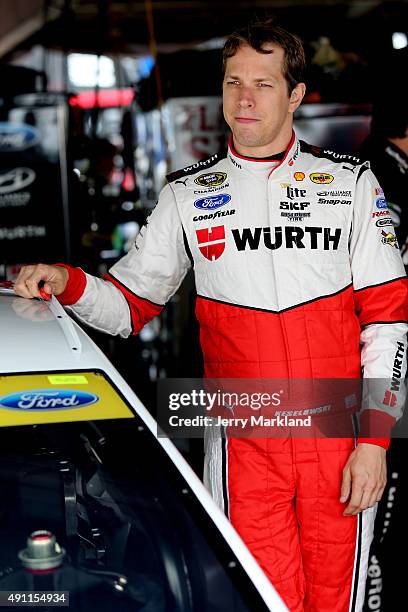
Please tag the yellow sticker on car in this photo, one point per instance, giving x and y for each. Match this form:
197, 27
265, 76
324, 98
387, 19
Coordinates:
31, 399
68, 379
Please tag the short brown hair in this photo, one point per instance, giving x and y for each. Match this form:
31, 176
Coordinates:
259, 33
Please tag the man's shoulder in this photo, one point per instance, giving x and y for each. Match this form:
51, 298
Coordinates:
197, 167
331, 155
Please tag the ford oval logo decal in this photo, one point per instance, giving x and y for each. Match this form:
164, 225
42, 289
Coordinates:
47, 399
212, 202
17, 137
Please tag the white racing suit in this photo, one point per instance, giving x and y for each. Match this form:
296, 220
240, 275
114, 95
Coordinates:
298, 275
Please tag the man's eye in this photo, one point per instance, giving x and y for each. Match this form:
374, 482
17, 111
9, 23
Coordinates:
232, 82
264, 85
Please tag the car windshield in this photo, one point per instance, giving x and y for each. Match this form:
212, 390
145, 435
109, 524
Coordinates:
132, 532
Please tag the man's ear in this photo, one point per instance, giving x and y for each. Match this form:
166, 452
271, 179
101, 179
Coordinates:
296, 97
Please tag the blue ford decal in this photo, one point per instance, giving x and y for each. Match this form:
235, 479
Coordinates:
381, 203
212, 202
47, 399
17, 137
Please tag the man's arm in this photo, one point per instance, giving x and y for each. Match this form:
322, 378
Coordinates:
136, 288
381, 301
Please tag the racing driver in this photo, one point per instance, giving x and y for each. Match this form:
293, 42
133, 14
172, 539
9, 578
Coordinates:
296, 278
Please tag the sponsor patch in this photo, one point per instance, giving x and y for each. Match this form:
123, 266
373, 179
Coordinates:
294, 192
299, 176
295, 216
335, 193
378, 191
214, 215
333, 202
380, 213
211, 179
384, 222
211, 241
381, 203
389, 238
289, 237
212, 202
321, 178
48, 399
210, 190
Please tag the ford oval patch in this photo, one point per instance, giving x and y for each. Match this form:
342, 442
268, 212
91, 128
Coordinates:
47, 399
212, 202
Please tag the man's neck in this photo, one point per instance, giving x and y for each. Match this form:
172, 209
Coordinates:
266, 153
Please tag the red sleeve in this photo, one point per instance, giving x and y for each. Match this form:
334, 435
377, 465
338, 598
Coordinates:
375, 427
383, 303
75, 286
141, 309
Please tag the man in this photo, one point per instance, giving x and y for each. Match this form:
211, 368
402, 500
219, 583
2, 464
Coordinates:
387, 150
292, 274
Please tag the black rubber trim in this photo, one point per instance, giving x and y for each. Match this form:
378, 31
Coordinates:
361, 172
358, 560
200, 166
321, 297
383, 323
187, 248
380, 284
322, 153
132, 292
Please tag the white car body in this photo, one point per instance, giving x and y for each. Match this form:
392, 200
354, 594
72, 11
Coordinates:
40, 336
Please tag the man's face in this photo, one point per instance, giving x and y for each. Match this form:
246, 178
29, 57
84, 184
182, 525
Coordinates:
257, 106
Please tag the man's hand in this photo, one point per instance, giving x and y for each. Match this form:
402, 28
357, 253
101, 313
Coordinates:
365, 477
53, 280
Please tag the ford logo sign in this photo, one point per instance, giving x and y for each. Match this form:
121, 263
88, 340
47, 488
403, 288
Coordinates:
17, 137
381, 203
47, 399
212, 202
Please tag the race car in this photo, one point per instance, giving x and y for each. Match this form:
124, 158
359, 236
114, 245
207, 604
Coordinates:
95, 508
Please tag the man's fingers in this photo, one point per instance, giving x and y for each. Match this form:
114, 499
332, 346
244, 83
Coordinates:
40, 281
355, 500
345, 485
364, 496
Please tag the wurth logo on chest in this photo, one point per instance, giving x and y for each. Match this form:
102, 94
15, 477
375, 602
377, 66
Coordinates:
211, 241
324, 238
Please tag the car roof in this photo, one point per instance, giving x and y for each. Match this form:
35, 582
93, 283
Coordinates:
40, 336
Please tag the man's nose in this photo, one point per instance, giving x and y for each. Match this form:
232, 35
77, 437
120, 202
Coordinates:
246, 98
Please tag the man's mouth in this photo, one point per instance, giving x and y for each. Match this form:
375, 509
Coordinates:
246, 120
